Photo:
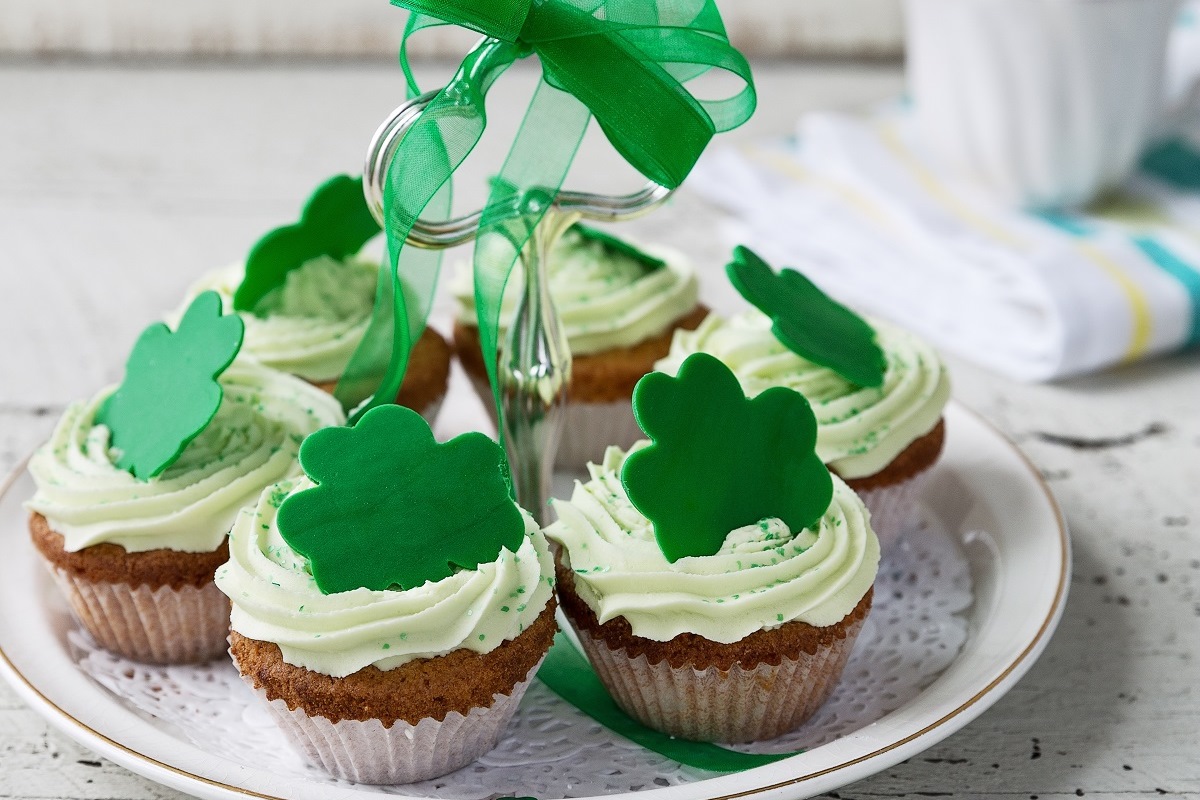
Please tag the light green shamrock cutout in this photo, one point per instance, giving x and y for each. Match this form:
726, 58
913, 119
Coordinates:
807, 321
170, 392
393, 507
720, 460
336, 222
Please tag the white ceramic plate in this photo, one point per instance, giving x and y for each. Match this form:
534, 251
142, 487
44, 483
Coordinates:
984, 491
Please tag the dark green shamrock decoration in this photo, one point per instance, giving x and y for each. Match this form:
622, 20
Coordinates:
336, 222
807, 321
617, 246
393, 507
170, 391
720, 460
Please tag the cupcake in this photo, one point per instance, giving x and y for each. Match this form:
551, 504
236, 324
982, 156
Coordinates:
312, 324
382, 678
881, 439
619, 307
136, 558
742, 637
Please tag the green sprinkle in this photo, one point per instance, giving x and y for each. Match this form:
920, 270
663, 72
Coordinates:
387, 646
277, 498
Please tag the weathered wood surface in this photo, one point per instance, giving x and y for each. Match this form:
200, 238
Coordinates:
119, 186
371, 28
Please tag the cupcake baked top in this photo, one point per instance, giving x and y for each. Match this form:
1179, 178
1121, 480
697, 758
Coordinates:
275, 599
304, 293
312, 323
606, 298
861, 429
380, 554
763, 576
252, 442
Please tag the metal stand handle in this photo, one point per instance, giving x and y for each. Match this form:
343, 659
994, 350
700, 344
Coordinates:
534, 365
535, 373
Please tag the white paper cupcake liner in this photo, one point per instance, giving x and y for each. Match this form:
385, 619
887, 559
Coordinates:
588, 428
715, 705
893, 507
368, 752
156, 626
431, 411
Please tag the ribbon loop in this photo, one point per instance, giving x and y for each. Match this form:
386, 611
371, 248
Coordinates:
625, 62
500, 19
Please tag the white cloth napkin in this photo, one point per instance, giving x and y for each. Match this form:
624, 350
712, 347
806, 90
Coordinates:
853, 204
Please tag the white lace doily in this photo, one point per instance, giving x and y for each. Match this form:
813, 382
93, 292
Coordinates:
915, 630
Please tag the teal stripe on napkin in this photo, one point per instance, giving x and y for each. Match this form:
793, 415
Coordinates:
1182, 271
1065, 222
1158, 253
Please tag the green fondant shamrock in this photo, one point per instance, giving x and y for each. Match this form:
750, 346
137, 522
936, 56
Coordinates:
618, 247
393, 507
720, 460
807, 321
170, 391
336, 222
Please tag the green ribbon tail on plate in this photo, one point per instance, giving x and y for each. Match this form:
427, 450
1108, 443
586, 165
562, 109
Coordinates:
418, 185
567, 673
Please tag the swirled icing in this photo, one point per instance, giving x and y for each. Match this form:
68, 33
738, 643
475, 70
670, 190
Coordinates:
312, 324
860, 429
252, 442
275, 599
605, 301
764, 576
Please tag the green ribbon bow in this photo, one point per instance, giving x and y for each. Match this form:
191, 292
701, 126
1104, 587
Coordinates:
625, 62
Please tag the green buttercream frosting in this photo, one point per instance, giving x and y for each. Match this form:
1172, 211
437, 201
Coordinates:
275, 599
860, 430
252, 442
764, 575
606, 299
311, 325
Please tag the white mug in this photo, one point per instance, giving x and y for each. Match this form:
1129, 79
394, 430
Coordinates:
1048, 102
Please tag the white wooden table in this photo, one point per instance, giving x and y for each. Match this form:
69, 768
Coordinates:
120, 185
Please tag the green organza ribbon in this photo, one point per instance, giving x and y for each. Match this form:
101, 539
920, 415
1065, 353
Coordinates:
567, 673
624, 62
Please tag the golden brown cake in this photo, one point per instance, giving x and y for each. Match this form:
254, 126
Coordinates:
135, 558
738, 646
